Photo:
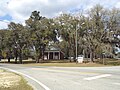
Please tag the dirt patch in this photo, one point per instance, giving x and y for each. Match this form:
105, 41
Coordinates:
8, 79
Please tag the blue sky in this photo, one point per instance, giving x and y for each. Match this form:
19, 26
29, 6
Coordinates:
20, 10
6, 17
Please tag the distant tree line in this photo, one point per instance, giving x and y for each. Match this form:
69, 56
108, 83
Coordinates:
98, 32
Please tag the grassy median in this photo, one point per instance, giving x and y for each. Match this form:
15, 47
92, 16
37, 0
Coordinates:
12, 81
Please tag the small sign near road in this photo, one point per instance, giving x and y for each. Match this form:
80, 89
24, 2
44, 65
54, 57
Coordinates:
80, 59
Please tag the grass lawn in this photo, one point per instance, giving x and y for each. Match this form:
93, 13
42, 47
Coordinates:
66, 64
12, 81
107, 61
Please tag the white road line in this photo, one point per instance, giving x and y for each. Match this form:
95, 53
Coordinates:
97, 77
41, 84
116, 83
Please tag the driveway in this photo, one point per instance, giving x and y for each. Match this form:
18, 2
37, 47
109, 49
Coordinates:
69, 78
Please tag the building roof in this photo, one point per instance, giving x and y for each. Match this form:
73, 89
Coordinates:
52, 48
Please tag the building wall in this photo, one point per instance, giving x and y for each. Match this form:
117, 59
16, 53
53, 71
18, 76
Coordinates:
53, 55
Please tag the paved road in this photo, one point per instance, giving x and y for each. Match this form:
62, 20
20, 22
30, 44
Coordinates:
70, 78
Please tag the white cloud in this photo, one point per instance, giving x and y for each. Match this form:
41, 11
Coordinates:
20, 10
4, 24
47, 7
3, 7
117, 5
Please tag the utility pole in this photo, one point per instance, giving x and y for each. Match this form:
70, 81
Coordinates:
77, 27
76, 43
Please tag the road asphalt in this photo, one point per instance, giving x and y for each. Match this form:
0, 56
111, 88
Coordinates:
68, 78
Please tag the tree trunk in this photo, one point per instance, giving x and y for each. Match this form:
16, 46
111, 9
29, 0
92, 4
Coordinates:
42, 54
20, 56
37, 54
92, 56
74, 51
16, 59
37, 59
84, 53
87, 56
20, 59
16, 56
8, 56
8, 59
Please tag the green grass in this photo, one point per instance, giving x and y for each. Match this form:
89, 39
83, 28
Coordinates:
1, 70
66, 64
111, 62
62, 63
22, 86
